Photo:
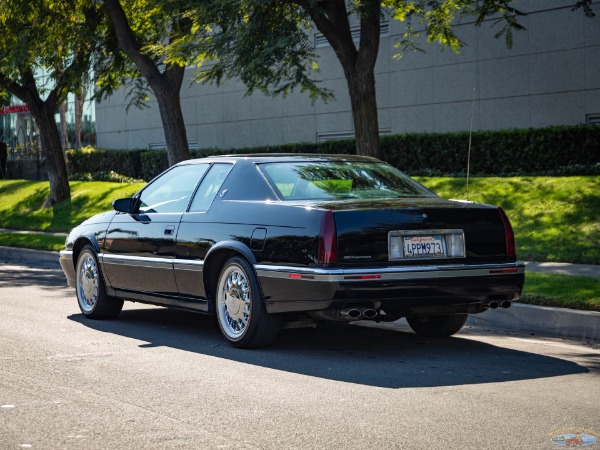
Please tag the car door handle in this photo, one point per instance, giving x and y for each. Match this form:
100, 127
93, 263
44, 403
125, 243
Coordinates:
169, 230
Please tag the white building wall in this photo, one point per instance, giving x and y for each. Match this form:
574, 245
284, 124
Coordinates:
551, 76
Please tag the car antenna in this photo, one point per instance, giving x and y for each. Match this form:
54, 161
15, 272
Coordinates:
470, 136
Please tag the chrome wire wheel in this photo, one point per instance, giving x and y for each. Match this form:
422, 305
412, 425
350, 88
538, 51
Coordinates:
87, 283
234, 302
241, 312
93, 301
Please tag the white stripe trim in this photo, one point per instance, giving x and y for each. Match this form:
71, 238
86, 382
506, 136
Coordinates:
152, 263
188, 265
136, 261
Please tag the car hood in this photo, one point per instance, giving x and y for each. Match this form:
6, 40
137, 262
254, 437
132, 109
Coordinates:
104, 217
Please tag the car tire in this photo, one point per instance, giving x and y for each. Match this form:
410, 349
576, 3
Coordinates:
241, 312
437, 326
93, 301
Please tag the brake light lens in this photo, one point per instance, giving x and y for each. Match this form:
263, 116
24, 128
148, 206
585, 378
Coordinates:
511, 250
327, 239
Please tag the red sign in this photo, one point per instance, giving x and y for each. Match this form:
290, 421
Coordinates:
14, 109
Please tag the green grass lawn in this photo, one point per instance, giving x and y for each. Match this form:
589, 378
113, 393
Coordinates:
564, 291
554, 218
21, 203
34, 241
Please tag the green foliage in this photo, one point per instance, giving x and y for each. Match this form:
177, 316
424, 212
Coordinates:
545, 151
152, 163
51, 35
88, 160
555, 219
155, 26
563, 291
264, 43
104, 176
268, 44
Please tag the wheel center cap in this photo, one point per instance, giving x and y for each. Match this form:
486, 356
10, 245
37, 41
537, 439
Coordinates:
234, 304
88, 285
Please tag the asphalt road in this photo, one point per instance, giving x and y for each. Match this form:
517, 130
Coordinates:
159, 378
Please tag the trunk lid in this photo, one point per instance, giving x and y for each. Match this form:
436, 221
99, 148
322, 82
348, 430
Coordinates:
367, 231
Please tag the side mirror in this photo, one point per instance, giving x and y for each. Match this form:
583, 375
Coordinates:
125, 205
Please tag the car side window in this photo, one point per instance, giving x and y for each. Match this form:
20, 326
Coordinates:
209, 187
171, 192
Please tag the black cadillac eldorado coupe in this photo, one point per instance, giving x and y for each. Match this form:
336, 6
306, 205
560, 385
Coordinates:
263, 240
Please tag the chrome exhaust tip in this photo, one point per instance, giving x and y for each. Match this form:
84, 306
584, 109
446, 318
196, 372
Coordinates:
351, 313
369, 313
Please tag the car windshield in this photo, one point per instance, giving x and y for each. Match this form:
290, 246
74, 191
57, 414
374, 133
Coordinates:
337, 180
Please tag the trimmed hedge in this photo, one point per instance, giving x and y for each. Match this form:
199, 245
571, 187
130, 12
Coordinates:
565, 150
89, 160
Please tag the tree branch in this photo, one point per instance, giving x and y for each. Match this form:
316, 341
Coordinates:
12, 87
331, 19
174, 72
370, 24
129, 44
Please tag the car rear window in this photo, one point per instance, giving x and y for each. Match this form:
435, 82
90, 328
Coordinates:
340, 180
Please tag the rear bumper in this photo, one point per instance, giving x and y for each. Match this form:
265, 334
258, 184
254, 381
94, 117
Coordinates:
66, 263
291, 289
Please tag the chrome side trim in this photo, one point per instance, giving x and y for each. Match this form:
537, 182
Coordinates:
152, 263
188, 265
136, 261
389, 273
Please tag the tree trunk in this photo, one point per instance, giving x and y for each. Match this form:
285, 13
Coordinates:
361, 86
332, 19
79, 103
52, 151
78, 113
63, 125
165, 85
43, 114
169, 105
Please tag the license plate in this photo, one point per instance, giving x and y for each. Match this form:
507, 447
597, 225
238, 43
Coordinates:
423, 247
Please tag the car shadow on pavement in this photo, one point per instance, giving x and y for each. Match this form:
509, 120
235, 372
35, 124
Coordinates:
353, 354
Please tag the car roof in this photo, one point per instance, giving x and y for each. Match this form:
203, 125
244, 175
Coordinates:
281, 157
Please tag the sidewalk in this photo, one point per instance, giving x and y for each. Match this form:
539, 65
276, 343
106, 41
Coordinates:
582, 270
6, 230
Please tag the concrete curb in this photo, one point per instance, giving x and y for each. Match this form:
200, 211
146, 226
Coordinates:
28, 257
540, 320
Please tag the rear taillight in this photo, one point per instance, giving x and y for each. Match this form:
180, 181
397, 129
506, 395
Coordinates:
511, 250
327, 240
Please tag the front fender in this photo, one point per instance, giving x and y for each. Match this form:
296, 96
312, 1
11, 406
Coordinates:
68, 257
84, 239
